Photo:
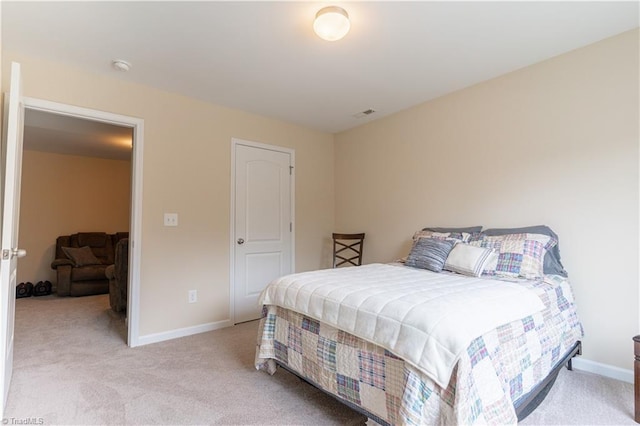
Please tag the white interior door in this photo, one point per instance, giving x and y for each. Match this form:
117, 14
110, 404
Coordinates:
263, 224
12, 150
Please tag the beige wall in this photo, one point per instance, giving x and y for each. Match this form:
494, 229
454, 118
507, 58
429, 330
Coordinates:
555, 143
64, 194
187, 170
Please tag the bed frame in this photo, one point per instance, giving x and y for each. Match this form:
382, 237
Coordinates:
529, 402
524, 405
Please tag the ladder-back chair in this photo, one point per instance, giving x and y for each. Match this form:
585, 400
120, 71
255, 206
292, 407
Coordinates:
347, 249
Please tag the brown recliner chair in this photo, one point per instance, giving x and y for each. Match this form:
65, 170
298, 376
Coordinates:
118, 275
81, 271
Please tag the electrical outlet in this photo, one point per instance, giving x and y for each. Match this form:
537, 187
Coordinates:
171, 219
193, 296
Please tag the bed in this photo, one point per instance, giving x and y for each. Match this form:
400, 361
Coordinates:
476, 341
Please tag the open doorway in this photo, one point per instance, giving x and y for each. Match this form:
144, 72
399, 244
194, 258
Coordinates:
75, 192
87, 140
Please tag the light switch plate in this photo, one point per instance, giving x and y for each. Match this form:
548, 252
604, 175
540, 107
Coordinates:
171, 219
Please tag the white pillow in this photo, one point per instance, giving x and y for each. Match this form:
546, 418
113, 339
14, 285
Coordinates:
470, 260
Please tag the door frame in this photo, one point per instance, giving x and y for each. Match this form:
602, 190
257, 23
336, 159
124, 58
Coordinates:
135, 222
232, 240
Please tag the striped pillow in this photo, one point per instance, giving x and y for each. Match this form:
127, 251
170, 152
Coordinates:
469, 260
456, 236
429, 253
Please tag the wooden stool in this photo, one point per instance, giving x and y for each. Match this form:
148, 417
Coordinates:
636, 376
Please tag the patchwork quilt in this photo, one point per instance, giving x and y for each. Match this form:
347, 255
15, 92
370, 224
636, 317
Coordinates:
492, 372
426, 318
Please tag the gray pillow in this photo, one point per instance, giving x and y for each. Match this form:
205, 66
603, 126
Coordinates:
552, 263
81, 256
469, 229
430, 253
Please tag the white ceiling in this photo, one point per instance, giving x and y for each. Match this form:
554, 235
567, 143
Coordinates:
263, 57
60, 134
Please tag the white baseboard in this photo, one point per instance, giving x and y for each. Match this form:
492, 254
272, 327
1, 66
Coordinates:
182, 332
605, 370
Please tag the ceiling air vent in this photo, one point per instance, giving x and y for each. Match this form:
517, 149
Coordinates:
364, 113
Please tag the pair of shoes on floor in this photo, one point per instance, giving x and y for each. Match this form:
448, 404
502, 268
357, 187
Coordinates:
42, 288
24, 290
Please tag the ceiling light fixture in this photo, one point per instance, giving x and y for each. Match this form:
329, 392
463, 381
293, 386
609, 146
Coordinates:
331, 23
121, 65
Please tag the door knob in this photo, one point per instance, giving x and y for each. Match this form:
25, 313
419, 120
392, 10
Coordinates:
8, 254
18, 252
240, 241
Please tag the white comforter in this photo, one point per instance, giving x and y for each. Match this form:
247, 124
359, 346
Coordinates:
428, 319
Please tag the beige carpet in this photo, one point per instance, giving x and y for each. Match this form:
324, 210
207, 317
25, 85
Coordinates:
72, 366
